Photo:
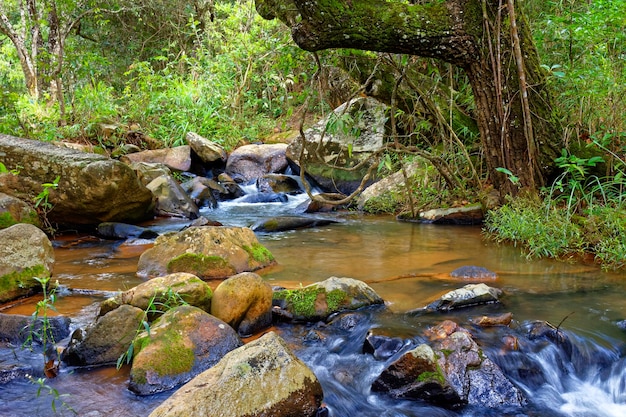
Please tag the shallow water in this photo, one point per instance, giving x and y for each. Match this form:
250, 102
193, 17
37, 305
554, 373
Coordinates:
409, 266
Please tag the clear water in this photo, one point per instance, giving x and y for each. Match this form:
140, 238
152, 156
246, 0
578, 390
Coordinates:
409, 266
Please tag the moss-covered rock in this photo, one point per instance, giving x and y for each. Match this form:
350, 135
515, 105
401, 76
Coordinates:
14, 211
162, 293
26, 253
262, 378
209, 252
320, 300
182, 343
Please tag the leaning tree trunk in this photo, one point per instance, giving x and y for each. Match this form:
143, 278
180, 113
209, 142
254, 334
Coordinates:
518, 129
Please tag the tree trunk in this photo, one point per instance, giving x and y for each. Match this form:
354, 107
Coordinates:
518, 129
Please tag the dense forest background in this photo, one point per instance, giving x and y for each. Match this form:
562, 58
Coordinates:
106, 72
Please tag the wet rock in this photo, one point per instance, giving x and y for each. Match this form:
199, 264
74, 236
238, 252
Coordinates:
469, 295
14, 211
471, 272
91, 189
26, 253
202, 191
262, 378
178, 158
182, 343
452, 373
206, 150
208, 252
418, 375
114, 230
544, 330
382, 346
279, 183
244, 301
341, 148
263, 198
279, 224
490, 321
106, 340
250, 162
16, 328
231, 189
320, 300
168, 290
171, 199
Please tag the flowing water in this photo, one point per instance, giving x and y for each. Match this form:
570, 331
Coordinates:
409, 266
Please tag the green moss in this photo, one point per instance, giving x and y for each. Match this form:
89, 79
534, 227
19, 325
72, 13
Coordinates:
259, 253
22, 279
433, 376
6, 220
335, 299
196, 263
174, 357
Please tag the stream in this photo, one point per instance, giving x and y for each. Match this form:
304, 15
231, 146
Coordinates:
408, 265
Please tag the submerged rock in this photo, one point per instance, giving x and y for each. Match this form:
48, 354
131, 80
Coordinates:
262, 378
106, 340
320, 300
210, 252
115, 230
244, 301
470, 272
26, 253
279, 224
182, 343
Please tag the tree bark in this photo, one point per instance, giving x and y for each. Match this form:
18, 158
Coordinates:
474, 35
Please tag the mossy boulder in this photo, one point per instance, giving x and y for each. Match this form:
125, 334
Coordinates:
417, 375
320, 300
181, 344
244, 301
170, 290
262, 378
209, 252
26, 253
14, 211
106, 340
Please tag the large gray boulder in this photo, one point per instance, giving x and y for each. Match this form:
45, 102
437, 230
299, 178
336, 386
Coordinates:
350, 135
91, 189
171, 199
182, 343
26, 253
250, 162
262, 378
209, 252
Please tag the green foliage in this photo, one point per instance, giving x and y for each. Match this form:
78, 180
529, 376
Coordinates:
42, 386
